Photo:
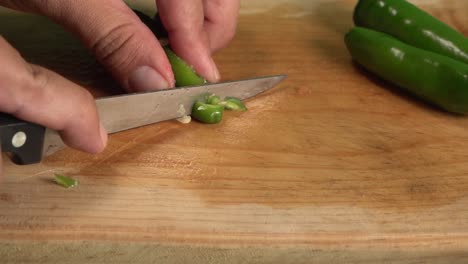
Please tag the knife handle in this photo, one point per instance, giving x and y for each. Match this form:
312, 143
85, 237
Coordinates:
24, 140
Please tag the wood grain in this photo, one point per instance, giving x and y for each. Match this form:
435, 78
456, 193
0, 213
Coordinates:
332, 166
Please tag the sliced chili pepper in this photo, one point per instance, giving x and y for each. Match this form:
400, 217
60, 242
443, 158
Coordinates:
438, 79
65, 181
207, 113
213, 99
411, 25
234, 104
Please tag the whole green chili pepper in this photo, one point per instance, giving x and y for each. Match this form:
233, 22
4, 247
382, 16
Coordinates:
207, 113
411, 25
438, 79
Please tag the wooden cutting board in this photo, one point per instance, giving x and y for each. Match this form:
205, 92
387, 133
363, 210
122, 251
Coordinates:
331, 166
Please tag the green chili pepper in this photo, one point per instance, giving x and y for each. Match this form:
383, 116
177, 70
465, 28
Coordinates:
207, 113
438, 79
411, 25
234, 104
65, 181
183, 73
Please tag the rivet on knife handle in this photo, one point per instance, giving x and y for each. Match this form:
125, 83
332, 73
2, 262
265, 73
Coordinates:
23, 139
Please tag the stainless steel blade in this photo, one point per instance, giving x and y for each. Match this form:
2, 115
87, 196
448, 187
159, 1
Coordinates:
122, 112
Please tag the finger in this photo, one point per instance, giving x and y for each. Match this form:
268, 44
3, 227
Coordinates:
38, 95
220, 21
184, 20
118, 38
1, 168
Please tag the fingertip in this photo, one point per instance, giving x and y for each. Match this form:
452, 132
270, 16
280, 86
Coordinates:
145, 78
82, 129
1, 168
206, 68
215, 75
197, 56
104, 137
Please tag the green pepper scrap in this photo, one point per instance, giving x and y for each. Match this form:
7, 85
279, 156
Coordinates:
210, 110
207, 113
65, 181
234, 104
407, 47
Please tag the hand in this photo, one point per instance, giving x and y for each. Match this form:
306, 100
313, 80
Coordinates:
197, 28
38, 95
124, 45
129, 50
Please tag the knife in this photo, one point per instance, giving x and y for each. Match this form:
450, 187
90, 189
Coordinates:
29, 143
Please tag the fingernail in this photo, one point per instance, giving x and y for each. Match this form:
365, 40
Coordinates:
104, 136
146, 78
216, 75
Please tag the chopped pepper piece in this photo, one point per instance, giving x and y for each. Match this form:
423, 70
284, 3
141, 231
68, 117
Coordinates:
207, 113
65, 181
234, 104
213, 99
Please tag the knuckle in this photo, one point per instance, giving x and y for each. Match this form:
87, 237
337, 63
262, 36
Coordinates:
223, 37
20, 81
24, 86
29, 6
229, 34
117, 47
34, 86
86, 100
84, 115
221, 16
39, 78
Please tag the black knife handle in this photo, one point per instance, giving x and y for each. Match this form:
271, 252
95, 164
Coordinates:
23, 139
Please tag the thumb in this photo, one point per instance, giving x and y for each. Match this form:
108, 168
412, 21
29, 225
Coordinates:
117, 37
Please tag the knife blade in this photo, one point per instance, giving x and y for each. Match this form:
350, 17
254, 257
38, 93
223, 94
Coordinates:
29, 142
